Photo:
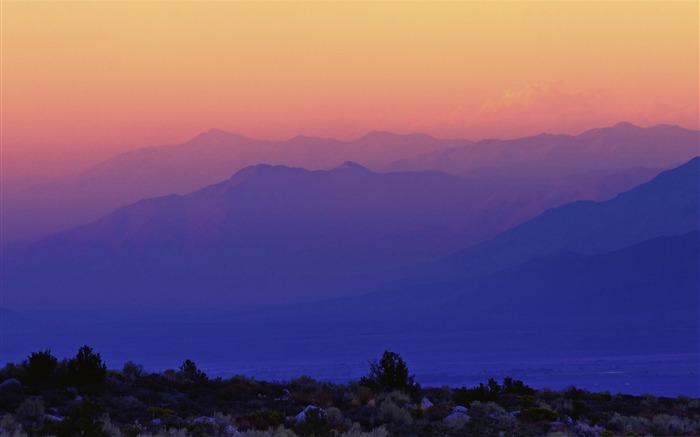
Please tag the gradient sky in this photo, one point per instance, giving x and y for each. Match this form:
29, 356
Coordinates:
82, 80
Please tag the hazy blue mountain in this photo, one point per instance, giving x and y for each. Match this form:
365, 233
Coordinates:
269, 233
275, 234
655, 282
626, 320
665, 206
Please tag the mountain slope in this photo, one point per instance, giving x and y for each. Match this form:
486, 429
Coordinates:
269, 233
655, 281
209, 158
615, 148
576, 166
666, 205
627, 320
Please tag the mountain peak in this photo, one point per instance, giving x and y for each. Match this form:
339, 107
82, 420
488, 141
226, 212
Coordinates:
216, 135
301, 138
621, 127
351, 166
624, 125
377, 135
216, 131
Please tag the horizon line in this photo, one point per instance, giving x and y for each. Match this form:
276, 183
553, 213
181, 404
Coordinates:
413, 133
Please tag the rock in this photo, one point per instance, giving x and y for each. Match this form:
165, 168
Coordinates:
425, 404
457, 418
156, 422
53, 418
459, 409
285, 395
230, 430
204, 419
10, 383
302, 416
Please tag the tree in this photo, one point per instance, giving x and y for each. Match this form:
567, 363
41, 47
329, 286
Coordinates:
189, 370
132, 370
87, 368
40, 367
389, 374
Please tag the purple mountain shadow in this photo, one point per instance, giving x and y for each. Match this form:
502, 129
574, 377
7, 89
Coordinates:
595, 165
610, 149
269, 233
668, 205
209, 158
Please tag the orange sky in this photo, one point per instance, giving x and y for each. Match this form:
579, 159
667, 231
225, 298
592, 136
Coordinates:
94, 77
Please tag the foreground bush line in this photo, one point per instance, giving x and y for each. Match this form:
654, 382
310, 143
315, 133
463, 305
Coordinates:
80, 396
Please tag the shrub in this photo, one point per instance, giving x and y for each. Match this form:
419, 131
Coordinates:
87, 368
489, 419
356, 431
665, 424
626, 425
31, 410
262, 419
393, 412
85, 419
389, 374
40, 368
189, 371
516, 387
132, 370
488, 392
281, 431
12, 370
538, 415
315, 423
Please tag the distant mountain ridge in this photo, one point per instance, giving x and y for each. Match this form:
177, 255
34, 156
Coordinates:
271, 233
213, 156
208, 158
618, 147
654, 281
667, 205
275, 234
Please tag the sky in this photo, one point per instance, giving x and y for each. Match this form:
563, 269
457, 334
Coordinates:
82, 80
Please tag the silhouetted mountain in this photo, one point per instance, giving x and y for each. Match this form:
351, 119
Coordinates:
655, 281
640, 299
665, 206
611, 149
209, 158
574, 166
269, 233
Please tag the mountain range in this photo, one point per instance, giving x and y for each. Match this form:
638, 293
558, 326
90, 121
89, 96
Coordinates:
276, 234
595, 165
270, 233
609, 149
479, 271
665, 206
210, 157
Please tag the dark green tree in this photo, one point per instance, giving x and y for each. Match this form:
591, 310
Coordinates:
40, 368
87, 368
189, 370
389, 373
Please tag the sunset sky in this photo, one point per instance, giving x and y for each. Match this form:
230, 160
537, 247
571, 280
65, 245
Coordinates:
83, 80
